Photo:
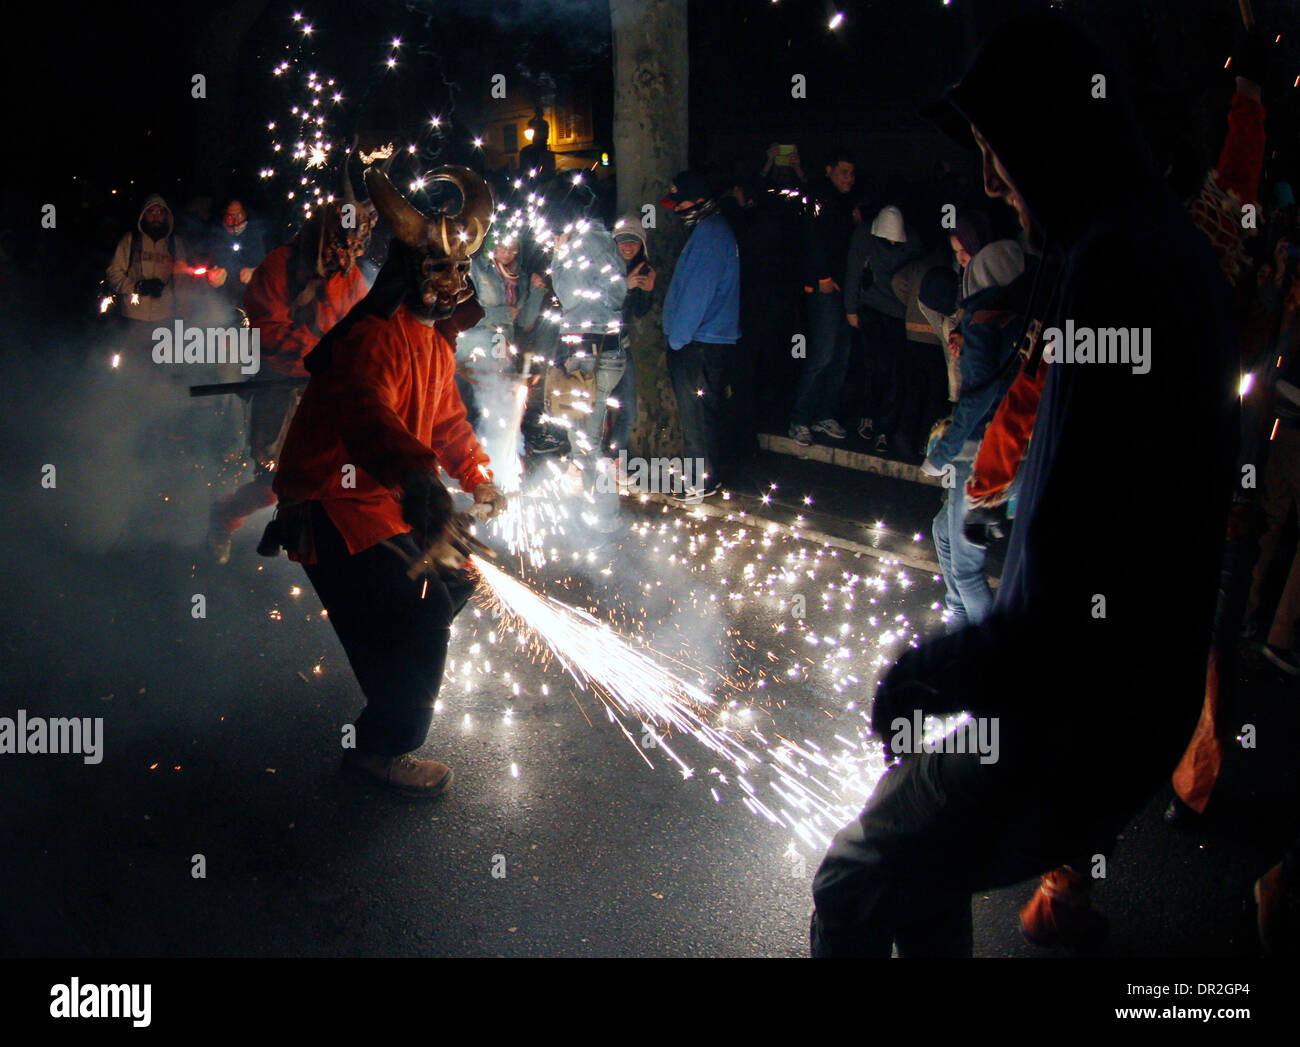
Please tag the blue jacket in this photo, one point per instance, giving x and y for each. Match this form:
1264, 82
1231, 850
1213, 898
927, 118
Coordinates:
988, 343
703, 302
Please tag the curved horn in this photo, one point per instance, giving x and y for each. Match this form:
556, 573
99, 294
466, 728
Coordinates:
409, 225
475, 214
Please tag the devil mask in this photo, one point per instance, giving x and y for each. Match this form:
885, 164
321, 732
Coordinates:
431, 255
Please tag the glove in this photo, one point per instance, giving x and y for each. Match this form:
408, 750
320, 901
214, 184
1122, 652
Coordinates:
153, 287
900, 693
426, 505
451, 548
985, 525
489, 501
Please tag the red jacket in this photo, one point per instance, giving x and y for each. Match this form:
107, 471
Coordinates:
385, 405
288, 336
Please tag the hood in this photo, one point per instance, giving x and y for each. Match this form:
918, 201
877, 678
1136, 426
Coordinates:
999, 264
888, 225
150, 200
630, 225
1069, 140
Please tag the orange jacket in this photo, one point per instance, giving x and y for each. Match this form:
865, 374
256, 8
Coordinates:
1006, 439
385, 405
288, 335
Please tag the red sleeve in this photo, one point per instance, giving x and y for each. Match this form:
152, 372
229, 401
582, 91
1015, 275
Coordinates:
458, 448
267, 303
369, 380
1007, 437
1241, 163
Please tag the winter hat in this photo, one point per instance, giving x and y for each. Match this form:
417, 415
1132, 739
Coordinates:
888, 225
997, 265
629, 227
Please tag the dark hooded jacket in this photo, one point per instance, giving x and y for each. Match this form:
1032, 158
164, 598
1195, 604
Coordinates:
1094, 655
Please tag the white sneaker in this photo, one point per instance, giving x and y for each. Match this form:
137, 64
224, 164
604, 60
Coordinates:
801, 435
831, 428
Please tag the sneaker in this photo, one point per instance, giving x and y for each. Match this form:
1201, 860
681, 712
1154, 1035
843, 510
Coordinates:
404, 774
882, 444
1284, 660
831, 428
801, 435
866, 429
1061, 913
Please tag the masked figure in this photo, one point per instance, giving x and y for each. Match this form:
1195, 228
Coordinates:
294, 298
361, 506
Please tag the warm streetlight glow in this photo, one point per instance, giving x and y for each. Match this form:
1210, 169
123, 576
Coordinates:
528, 134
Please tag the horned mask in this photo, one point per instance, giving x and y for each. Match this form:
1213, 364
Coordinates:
436, 248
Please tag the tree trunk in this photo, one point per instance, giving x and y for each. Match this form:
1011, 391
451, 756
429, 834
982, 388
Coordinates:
650, 146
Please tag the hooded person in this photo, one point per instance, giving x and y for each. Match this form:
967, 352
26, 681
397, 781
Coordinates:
297, 294
144, 265
1052, 669
361, 505
894, 384
985, 345
630, 240
509, 302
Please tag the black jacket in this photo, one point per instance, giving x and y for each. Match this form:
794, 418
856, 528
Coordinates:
827, 227
1094, 656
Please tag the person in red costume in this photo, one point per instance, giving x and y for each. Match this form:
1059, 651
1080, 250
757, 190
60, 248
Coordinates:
361, 505
296, 295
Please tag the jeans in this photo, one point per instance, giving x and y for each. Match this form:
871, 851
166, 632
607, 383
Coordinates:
395, 631
969, 595
699, 375
609, 368
620, 430
829, 341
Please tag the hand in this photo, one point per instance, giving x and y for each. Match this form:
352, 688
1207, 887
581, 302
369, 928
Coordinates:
853, 319
514, 311
309, 293
647, 278
451, 548
216, 276
537, 281
930, 469
426, 505
827, 286
489, 501
245, 274
983, 526
772, 151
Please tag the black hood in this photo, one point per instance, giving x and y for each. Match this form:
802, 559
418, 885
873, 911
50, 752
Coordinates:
1032, 93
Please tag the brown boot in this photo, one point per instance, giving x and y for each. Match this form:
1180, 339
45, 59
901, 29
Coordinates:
404, 774
1061, 913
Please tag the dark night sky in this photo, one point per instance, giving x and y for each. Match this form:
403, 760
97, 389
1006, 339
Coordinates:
105, 94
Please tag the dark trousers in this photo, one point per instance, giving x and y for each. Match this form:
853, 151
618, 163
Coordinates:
884, 340
830, 339
937, 828
394, 630
699, 375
